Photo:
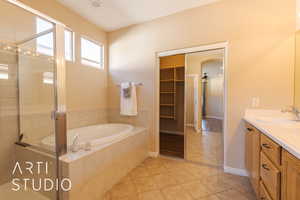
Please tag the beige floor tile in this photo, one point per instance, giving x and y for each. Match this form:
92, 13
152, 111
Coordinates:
145, 184
164, 180
152, 195
176, 193
183, 176
216, 183
131, 197
212, 197
155, 170
123, 189
197, 189
140, 171
229, 194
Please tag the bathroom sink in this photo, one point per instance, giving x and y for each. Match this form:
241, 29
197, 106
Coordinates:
276, 120
294, 125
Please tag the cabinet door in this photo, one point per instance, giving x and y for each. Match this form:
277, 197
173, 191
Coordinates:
253, 156
291, 177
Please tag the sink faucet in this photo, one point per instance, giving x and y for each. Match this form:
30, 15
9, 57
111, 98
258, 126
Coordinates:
75, 145
293, 110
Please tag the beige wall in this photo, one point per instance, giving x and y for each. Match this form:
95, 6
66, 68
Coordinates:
260, 35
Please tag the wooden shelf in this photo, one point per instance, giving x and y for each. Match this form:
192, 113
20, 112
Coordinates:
167, 80
167, 105
179, 80
167, 117
167, 92
171, 67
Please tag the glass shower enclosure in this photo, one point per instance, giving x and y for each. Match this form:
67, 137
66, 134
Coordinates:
32, 104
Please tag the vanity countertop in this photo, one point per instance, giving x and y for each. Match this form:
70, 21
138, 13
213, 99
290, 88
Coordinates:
279, 126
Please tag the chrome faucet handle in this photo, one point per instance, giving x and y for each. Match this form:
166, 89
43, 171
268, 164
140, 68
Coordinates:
288, 109
75, 145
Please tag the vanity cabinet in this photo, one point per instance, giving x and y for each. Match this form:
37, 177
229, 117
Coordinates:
274, 173
291, 177
253, 156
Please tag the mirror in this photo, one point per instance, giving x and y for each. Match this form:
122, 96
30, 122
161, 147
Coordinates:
297, 71
204, 107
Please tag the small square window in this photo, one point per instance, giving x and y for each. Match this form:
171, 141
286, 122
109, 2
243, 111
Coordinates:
91, 53
69, 45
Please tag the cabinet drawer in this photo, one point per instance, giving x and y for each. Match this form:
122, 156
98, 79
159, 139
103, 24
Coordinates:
250, 128
270, 176
271, 149
263, 193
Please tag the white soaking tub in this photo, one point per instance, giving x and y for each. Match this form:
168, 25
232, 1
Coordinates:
96, 135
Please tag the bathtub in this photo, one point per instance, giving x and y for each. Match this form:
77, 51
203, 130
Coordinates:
116, 150
97, 135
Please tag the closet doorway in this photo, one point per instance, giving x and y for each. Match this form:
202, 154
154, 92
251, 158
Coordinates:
172, 78
191, 122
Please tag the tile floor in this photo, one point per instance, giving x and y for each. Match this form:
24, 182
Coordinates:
168, 179
206, 147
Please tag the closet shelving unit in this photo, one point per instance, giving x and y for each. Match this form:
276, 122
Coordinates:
169, 77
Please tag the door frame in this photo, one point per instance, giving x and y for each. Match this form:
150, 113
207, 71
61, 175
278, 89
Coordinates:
201, 48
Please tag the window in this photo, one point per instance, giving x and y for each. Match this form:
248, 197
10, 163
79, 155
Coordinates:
45, 43
69, 43
91, 53
48, 78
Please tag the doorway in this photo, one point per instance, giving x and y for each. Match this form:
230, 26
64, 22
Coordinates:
205, 121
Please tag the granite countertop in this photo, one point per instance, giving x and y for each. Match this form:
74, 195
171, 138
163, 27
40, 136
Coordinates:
279, 126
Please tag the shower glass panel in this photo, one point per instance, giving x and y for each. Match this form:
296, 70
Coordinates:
28, 102
37, 91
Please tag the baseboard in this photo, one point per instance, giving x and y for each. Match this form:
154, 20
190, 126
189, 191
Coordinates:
214, 117
235, 171
153, 154
172, 132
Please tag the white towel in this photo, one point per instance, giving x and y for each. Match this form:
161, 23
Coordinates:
128, 105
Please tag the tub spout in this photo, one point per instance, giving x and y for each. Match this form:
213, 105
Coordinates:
75, 145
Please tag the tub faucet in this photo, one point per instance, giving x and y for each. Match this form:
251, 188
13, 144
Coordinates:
75, 145
293, 110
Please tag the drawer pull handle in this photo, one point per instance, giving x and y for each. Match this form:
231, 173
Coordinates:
266, 146
265, 167
250, 129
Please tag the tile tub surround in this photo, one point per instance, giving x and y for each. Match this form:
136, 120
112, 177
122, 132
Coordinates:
95, 172
81, 118
142, 119
167, 179
282, 130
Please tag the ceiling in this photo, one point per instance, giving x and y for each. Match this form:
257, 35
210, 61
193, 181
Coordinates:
115, 14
